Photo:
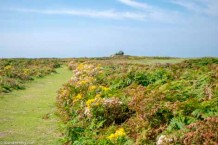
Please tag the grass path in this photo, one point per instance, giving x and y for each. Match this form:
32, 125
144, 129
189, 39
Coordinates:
28, 115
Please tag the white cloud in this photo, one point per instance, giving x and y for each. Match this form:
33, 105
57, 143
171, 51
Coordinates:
143, 12
135, 4
152, 11
209, 7
190, 5
108, 14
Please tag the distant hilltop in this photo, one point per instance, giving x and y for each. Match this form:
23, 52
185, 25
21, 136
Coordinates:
119, 53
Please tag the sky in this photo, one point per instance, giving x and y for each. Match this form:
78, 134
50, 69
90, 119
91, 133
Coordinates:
95, 28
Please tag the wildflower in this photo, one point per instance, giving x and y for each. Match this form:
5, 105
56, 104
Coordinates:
161, 140
78, 97
89, 102
104, 88
91, 88
87, 112
83, 82
111, 137
119, 133
65, 92
81, 66
26, 71
111, 101
96, 101
8, 67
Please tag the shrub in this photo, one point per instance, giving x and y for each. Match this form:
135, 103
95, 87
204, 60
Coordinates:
109, 103
15, 72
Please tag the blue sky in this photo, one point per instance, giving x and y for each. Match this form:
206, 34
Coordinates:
78, 28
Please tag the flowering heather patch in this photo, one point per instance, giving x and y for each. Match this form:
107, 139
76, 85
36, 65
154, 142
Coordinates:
111, 103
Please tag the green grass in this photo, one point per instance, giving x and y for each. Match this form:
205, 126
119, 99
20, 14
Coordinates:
28, 115
154, 61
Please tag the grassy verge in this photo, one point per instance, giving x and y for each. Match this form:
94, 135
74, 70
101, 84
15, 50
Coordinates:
28, 115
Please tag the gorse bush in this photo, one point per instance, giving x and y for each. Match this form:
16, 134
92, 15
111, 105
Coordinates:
108, 103
15, 72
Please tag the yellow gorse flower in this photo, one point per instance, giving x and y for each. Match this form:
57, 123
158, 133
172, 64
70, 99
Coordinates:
119, 133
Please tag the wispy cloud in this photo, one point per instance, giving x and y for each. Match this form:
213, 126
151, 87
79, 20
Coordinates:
135, 4
153, 11
107, 14
143, 12
209, 7
190, 5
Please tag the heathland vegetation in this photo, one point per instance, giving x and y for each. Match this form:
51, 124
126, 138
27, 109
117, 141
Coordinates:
112, 102
119, 100
15, 72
